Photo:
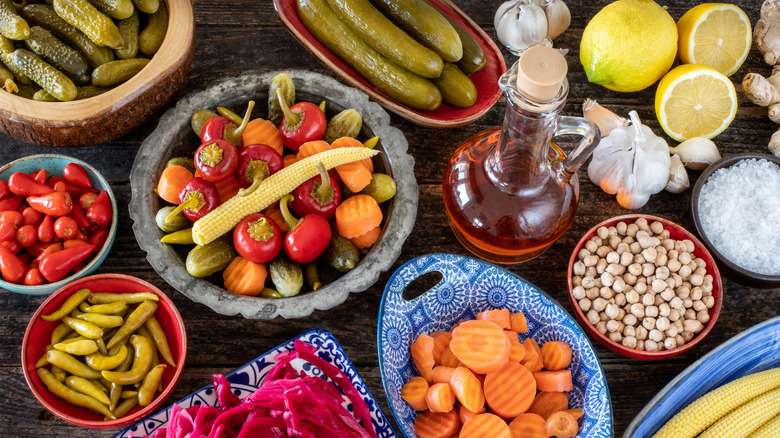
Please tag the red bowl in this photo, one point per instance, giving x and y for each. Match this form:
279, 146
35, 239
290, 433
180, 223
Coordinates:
675, 232
38, 334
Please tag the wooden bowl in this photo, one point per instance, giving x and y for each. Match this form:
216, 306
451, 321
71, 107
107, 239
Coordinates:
115, 112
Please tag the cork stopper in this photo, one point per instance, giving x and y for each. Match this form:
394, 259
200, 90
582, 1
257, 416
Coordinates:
540, 73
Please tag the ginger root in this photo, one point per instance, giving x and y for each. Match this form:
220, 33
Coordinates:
766, 34
764, 91
761, 90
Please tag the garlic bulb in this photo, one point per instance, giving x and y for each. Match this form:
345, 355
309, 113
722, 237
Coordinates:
697, 153
605, 119
521, 24
558, 16
631, 162
678, 176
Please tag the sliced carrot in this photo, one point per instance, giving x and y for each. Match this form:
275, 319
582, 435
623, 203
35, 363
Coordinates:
312, 148
365, 240
422, 356
357, 215
276, 215
518, 322
528, 425
244, 277
289, 160
554, 381
562, 424
467, 389
510, 391
577, 413
546, 403
355, 175
460, 321
261, 131
532, 359
440, 342
442, 374
480, 345
172, 180
227, 188
448, 358
414, 391
485, 425
517, 353
464, 413
512, 336
354, 143
435, 425
440, 398
556, 355
499, 316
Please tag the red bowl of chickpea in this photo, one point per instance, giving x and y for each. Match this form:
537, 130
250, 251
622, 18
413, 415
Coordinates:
644, 286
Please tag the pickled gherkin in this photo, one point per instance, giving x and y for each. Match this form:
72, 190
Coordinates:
204, 260
341, 253
55, 52
7, 82
6, 48
11, 24
344, 124
147, 6
286, 275
116, 72
86, 18
119, 9
43, 74
283, 82
129, 30
150, 39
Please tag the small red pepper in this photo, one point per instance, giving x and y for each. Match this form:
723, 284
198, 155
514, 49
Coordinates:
46, 230
317, 197
11, 266
56, 266
100, 212
66, 228
60, 187
52, 248
33, 278
11, 203
5, 192
12, 245
86, 200
55, 204
31, 217
308, 237
197, 198
76, 174
74, 190
257, 238
78, 215
71, 243
216, 160
40, 176
23, 184
302, 122
7, 231
222, 128
27, 235
99, 237
255, 163
13, 217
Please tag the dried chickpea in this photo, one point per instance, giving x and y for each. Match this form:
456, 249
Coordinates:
592, 293
621, 228
632, 229
616, 337
601, 326
602, 232
585, 304
642, 224
599, 304
690, 315
692, 326
606, 293
629, 330
648, 299
629, 341
601, 266
629, 320
657, 227
651, 345
593, 316
612, 325
614, 241
680, 340
576, 281
709, 301
578, 292
687, 336
651, 311
591, 246
656, 335
603, 251
703, 316
670, 343
664, 309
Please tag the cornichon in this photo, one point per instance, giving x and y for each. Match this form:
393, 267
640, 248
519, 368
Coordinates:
150, 39
344, 124
6, 48
44, 96
43, 74
341, 253
58, 54
204, 260
116, 72
387, 38
7, 80
283, 82
286, 275
46, 17
147, 6
11, 24
119, 9
456, 88
396, 82
425, 23
89, 91
198, 119
129, 30
177, 222
86, 18
473, 58
381, 187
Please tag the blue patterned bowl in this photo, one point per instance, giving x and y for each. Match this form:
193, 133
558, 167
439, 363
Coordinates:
469, 286
749, 352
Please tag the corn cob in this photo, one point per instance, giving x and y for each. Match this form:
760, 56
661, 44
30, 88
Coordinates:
710, 407
740, 422
770, 429
225, 217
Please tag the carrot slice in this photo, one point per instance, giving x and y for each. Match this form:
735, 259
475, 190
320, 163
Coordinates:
577, 413
289, 160
512, 336
365, 240
448, 359
468, 389
442, 374
499, 316
414, 391
261, 131
485, 425
227, 188
556, 355
517, 353
312, 148
440, 398
528, 425
435, 425
357, 215
532, 358
350, 142
355, 175
562, 424
276, 215
422, 356
172, 180
440, 342
554, 381
546, 403
518, 323
480, 345
510, 391
464, 413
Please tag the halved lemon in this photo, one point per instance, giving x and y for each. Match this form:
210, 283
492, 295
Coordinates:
718, 35
694, 100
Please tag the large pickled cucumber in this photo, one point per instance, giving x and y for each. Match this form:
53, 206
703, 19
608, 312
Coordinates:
424, 22
6, 48
43, 74
44, 16
129, 30
11, 24
86, 18
151, 38
147, 6
456, 88
394, 81
58, 54
7, 80
116, 72
119, 9
473, 58
387, 38
204, 260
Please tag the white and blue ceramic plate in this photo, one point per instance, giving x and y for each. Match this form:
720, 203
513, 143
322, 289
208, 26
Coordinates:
246, 379
469, 286
756, 349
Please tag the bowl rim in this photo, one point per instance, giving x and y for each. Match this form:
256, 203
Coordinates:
723, 163
97, 260
127, 419
620, 348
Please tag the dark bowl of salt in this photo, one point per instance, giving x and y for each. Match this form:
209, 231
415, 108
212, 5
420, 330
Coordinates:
735, 205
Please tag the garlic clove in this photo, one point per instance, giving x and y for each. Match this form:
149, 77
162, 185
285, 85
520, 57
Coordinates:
605, 119
678, 176
697, 153
558, 18
520, 24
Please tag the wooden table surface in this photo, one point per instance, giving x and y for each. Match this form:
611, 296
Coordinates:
240, 35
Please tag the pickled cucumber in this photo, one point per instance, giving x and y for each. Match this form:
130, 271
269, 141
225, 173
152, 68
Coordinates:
204, 260
44, 96
282, 82
129, 30
147, 6
11, 24
6, 48
43, 74
7, 81
286, 275
119, 9
86, 18
151, 38
116, 72
456, 88
473, 58
58, 54
344, 124
89, 91
381, 188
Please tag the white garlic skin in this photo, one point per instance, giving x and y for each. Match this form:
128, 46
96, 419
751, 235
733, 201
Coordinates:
558, 18
697, 153
520, 24
678, 176
605, 119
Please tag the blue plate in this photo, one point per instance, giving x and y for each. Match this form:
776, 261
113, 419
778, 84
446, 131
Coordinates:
247, 378
756, 349
470, 286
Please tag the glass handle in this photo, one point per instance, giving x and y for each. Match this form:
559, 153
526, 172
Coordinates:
591, 136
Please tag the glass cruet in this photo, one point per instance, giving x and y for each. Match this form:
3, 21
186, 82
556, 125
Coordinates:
510, 192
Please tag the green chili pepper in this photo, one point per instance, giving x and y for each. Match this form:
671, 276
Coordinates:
102, 346
99, 319
81, 347
128, 394
84, 328
71, 396
129, 298
181, 237
58, 373
136, 319
59, 333
71, 364
99, 362
156, 330
149, 387
125, 407
142, 362
143, 331
114, 308
68, 306
84, 386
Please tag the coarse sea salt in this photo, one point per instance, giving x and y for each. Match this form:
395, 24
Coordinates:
738, 210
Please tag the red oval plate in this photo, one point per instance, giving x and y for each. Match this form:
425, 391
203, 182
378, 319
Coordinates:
446, 116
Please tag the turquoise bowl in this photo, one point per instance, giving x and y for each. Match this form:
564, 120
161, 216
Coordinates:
54, 163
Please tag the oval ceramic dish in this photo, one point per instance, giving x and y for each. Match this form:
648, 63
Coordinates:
54, 164
469, 286
174, 137
446, 116
755, 349
731, 269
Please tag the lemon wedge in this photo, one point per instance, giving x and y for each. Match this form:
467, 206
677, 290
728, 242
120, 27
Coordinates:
717, 35
694, 100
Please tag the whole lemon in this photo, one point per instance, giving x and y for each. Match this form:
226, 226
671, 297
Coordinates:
629, 45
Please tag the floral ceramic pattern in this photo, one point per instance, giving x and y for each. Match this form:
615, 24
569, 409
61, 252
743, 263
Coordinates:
246, 379
469, 286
